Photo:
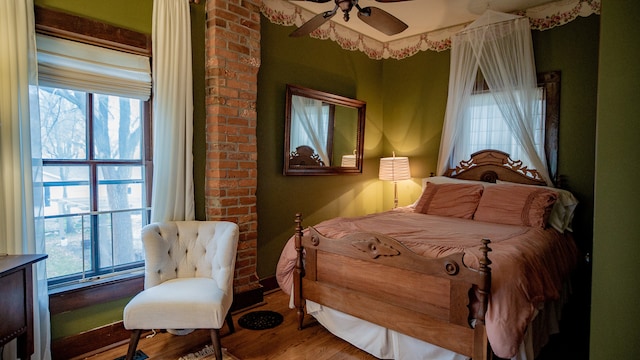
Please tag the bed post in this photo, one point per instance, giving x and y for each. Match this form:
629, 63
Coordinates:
298, 272
482, 346
484, 288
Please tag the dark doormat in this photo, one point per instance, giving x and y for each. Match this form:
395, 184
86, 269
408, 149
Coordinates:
139, 355
260, 320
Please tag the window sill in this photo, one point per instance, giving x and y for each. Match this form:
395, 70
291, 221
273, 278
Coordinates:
66, 298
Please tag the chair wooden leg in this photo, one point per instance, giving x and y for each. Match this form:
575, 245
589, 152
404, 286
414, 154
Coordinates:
229, 321
133, 343
217, 347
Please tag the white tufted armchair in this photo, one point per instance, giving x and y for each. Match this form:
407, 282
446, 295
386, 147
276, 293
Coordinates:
189, 267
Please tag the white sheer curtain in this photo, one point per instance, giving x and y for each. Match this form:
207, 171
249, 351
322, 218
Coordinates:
484, 127
172, 195
500, 46
310, 126
21, 211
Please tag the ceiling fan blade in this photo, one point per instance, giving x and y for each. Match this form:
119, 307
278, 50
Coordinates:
313, 24
382, 20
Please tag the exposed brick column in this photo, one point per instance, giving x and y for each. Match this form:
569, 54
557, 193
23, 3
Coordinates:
232, 62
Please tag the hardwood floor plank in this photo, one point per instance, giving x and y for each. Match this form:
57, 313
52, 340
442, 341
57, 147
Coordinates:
285, 341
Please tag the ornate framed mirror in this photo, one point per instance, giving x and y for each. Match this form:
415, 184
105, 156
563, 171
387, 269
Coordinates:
324, 133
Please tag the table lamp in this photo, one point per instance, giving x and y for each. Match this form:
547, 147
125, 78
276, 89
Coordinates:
394, 169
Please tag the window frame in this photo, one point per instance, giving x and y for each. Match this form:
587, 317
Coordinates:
93, 182
76, 28
549, 81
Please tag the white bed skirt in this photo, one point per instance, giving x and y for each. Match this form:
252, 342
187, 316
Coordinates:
384, 343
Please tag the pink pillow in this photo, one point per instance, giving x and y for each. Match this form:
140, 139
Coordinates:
454, 200
516, 205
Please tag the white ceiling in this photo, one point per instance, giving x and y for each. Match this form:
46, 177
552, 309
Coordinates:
422, 16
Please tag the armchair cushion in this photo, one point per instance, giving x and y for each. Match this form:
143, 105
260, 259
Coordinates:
194, 303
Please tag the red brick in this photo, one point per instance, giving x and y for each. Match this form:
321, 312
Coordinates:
232, 64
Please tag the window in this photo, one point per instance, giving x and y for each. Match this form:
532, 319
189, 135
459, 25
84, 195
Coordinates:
95, 139
311, 121
94, 170
484, 126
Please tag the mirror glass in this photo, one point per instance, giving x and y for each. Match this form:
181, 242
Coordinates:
324, 133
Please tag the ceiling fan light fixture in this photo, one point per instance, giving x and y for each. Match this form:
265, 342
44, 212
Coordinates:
372, 16
346, 6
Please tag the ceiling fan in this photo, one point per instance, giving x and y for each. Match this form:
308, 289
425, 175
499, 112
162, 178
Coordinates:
371, 15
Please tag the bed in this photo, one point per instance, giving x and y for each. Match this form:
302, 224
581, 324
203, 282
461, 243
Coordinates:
477, 267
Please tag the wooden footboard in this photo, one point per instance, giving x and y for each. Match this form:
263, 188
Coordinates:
374, 277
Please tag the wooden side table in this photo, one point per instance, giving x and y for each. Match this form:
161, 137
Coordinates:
16, 301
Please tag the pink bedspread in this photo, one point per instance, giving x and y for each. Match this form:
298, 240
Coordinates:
529, 265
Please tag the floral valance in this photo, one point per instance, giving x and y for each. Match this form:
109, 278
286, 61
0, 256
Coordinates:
541, 17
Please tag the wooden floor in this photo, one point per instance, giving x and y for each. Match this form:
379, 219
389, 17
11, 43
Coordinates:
316, 343
282, 342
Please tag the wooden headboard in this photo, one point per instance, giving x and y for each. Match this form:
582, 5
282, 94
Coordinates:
493, 165
305, 156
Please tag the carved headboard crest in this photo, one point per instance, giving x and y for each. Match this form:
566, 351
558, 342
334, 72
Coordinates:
305, 156
493, 165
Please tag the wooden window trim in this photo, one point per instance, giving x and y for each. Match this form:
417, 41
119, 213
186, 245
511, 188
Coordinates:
88, 31
550, 81
93, 32
99, 292
92, 164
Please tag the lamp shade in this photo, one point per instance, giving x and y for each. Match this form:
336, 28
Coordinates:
348, 161
394, 168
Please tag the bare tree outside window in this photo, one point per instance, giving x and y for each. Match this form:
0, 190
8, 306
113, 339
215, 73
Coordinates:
94, 177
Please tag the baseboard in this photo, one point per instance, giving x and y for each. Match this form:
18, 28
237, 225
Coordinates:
90, 341
108, 336
247, 299
269, 283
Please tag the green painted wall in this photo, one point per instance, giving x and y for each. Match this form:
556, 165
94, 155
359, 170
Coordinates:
415, 99
615, 316
345, 133
406, 102
411, 95
415, 102
324, 66
135, 15
87, 318
415, 96
573, 49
